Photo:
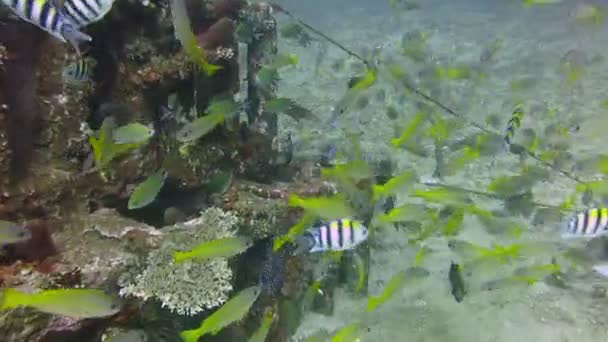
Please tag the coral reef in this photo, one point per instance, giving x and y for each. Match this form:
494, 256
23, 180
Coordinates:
83, 234
189, 287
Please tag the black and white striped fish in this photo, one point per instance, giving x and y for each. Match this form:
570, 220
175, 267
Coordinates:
62, 18
590, 223
78, 71
337, 235
45, 15
84, 12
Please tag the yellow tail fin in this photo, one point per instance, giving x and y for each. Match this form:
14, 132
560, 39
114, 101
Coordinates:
12, 298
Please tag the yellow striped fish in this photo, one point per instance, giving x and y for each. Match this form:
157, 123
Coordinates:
589, 223
514, 123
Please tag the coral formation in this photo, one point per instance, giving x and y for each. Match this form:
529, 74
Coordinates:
189, 287
78, 240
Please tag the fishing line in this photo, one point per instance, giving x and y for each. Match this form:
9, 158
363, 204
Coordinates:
425, 96
489, 195
321, 34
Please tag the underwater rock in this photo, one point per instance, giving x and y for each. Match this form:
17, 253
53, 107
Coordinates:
220, 34
124, 335
29, 325
102, 243
37, 248
262, 208
22, 324
61, 328
135, 235
173, 215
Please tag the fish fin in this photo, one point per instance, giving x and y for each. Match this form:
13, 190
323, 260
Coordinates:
74, 37
304, 243
12, 298
190, 335
601, 269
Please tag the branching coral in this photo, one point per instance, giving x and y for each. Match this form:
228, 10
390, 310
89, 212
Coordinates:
189, 287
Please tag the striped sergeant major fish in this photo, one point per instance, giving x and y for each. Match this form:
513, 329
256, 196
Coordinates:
514, 123
337, 235
78, 71
46, 16
62, 18
84, 12
590, 223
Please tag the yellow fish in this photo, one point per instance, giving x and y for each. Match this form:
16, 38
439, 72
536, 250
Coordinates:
75, 303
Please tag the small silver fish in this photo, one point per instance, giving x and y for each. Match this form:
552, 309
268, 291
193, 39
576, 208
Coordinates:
337, 235
12, 233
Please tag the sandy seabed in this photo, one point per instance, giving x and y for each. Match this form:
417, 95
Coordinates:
534, 43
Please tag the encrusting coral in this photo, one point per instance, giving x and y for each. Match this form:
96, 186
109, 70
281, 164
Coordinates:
190, 287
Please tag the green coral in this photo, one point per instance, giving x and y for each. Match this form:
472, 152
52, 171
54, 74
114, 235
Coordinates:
189, 287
